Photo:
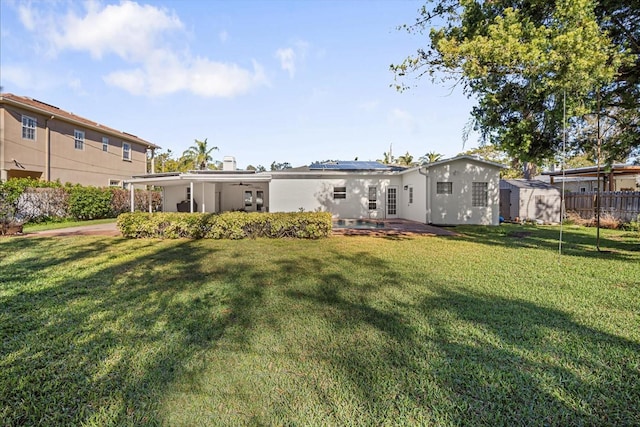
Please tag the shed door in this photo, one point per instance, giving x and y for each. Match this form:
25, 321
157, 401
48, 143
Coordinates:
505, 203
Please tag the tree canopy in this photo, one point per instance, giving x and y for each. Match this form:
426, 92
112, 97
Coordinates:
199, 154
519, 59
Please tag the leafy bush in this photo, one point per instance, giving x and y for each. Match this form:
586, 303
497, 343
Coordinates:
121, 200
43, 204
228, 225
89, 202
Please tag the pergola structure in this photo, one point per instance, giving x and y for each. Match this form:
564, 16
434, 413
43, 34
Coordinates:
210, 187
607, 175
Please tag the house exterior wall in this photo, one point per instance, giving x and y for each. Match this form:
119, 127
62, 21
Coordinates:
414, 210
457, 207
52, 154
315, 193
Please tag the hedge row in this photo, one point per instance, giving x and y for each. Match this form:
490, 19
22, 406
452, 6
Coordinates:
31, 200
227, 225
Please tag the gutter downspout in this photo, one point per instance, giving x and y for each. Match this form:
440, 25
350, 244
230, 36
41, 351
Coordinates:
428, 204
47, 149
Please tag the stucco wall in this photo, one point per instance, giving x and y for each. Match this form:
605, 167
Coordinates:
416, 210
456, 208
316, 194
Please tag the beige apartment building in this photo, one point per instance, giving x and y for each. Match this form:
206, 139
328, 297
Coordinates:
42, 141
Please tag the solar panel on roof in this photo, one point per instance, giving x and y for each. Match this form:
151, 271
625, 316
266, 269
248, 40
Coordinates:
349, 165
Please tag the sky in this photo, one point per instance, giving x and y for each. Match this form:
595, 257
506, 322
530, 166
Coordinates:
264, 81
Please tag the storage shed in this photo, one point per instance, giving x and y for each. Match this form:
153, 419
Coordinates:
530, 200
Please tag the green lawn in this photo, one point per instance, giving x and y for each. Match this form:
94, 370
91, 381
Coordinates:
489, 328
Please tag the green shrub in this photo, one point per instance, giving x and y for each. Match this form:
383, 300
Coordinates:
228, 225
89, 202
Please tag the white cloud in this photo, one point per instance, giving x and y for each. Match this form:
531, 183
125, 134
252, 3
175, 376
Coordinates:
290, 57
145, 37
287, 59
24, 77
27, 18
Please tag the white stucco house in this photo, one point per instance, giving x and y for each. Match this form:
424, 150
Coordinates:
460, 190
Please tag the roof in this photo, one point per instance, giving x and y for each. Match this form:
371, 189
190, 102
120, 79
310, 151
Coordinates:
354, 165
468, 158
53, 111
616, 169
530, 184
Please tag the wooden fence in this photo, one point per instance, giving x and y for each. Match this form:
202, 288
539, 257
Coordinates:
622, 205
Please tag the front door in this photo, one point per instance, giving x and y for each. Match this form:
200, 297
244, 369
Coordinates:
392, 201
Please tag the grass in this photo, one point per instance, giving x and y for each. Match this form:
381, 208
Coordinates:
489, 328
30, 228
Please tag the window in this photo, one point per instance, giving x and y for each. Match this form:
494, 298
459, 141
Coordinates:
480, 194
29, 127
126, 151
339, 192
115, 183
105, 143
583, 189
78, 137
189, 194
410, 195
373, 198
444, 188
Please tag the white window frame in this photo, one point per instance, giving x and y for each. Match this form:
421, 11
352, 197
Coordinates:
105, 144
339, 192
373, 198
29, 127
115, 183
410, 194
444, 187
126, 152
480, 194
78, 139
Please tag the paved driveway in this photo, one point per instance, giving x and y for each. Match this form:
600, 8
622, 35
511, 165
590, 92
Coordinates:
109, 229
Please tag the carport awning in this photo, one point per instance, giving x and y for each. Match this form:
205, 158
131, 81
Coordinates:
184, 178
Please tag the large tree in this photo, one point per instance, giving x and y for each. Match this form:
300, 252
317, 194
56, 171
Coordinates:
199, 154
521, 59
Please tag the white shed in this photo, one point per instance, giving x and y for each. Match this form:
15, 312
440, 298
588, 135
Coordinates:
530, 200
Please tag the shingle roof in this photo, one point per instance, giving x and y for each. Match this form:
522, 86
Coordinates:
44, 108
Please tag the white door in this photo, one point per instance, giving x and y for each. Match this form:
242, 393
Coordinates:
392, 201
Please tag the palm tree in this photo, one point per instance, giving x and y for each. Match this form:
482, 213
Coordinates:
199, 154
406, 159
430, 157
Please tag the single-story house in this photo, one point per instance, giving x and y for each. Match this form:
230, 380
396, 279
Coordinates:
460, 190
530, 200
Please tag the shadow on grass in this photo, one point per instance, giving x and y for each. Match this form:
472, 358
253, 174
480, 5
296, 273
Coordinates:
470, 359
98, 345
105, 326
575, 241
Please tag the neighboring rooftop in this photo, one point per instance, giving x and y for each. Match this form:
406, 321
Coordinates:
616, 169
52, 110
